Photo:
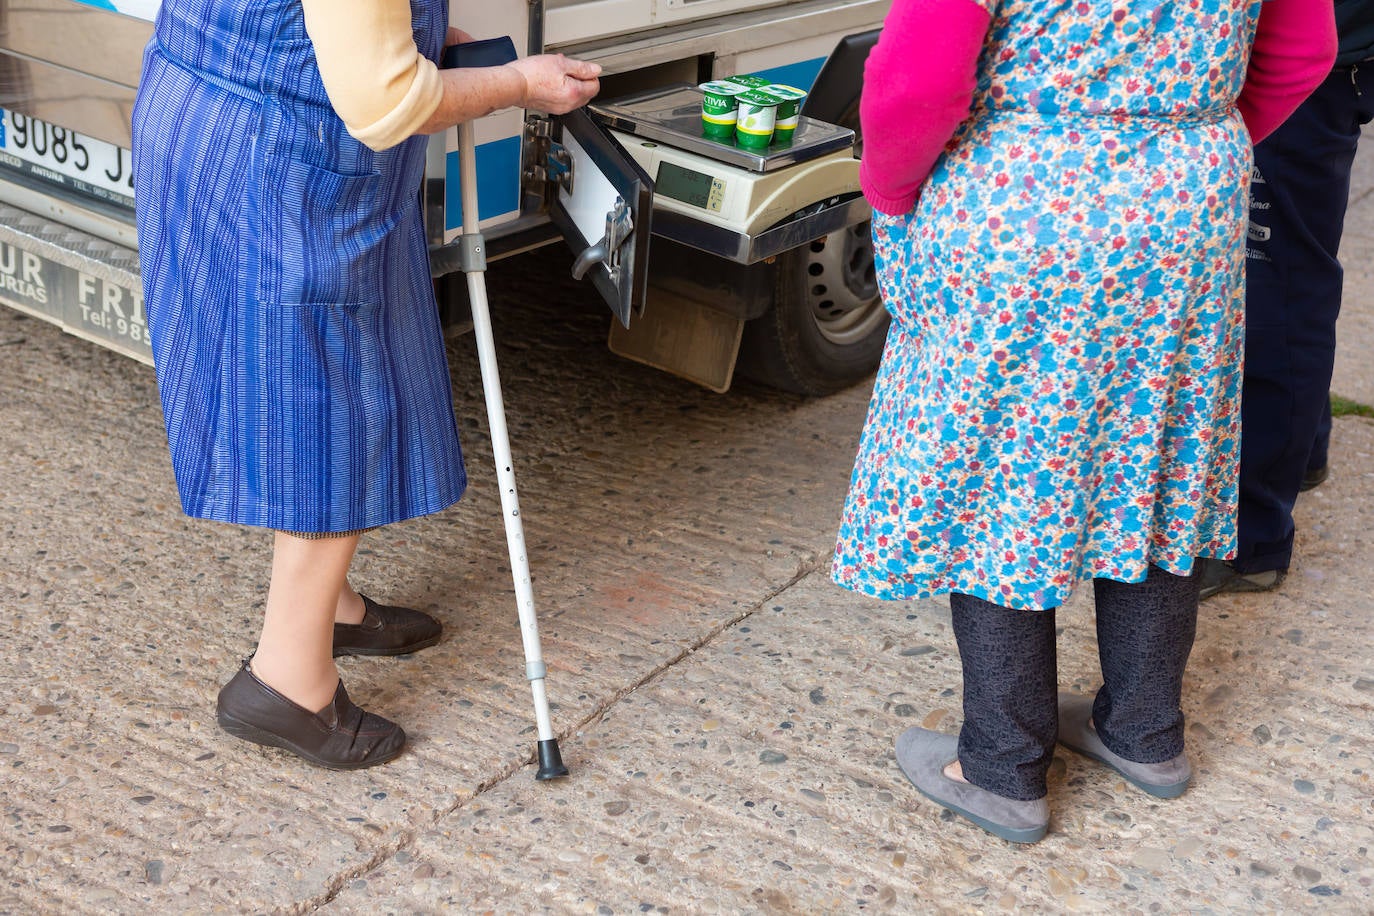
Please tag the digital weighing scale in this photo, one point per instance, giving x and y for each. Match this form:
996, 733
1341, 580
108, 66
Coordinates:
740, 204
639, 167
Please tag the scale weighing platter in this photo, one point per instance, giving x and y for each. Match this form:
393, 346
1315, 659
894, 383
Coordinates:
673, 116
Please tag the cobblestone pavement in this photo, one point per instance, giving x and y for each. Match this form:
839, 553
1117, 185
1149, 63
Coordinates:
728, 715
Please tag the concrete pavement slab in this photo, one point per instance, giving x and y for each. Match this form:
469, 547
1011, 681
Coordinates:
758, 776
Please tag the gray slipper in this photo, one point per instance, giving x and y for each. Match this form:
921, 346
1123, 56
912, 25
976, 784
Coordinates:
923, 754
1076, 732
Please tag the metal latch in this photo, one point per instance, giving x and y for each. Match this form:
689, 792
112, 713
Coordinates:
619, 225
549, 160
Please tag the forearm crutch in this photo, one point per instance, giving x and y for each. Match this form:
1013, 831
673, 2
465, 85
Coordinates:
474, 264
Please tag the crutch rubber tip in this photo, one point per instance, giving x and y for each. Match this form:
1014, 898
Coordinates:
550, 761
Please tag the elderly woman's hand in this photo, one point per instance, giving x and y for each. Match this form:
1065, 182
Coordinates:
556, 84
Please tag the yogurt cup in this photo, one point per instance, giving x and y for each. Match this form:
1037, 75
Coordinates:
789, 110
758, 112
718, 108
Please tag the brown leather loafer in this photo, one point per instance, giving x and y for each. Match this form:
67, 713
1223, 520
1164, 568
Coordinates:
386, 631
341, 736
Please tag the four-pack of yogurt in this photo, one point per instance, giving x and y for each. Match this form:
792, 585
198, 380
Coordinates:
750, 111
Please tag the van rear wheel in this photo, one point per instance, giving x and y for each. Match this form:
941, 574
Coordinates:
826, 326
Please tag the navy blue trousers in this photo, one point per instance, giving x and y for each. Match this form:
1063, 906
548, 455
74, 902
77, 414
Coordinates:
1145, 633
1293, 295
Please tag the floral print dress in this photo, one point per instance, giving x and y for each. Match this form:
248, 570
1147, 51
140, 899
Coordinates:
1059, 396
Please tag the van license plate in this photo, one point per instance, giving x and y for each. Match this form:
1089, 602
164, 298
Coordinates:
66, 158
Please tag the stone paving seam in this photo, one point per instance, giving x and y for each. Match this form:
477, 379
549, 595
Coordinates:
408, 836
405, 839
594, 717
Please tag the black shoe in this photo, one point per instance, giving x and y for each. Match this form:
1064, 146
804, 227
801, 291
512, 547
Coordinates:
341, 736
386, 631
1314, 477
1220, 577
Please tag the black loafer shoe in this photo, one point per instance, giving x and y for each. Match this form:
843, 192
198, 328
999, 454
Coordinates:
386, 631
341, 736
1314, 477
1219, 577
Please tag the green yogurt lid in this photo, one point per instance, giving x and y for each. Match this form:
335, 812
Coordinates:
722, 87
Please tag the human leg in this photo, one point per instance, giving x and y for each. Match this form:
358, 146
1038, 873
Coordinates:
1145, 633
361, 625
295, 651
350, 609
289, 694
364, 627
1318, 466
994, 772
1009, 663
1292, 301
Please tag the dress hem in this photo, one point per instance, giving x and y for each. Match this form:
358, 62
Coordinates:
213, 514
1052, 598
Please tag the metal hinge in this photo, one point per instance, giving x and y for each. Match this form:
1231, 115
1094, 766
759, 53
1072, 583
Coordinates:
548, 161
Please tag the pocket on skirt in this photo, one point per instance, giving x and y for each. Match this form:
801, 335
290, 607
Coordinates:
323, 235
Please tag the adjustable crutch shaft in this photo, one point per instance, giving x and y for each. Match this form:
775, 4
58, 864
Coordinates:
474, 263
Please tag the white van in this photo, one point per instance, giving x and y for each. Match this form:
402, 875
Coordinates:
709, 255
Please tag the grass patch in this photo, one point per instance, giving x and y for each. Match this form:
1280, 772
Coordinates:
1344, 407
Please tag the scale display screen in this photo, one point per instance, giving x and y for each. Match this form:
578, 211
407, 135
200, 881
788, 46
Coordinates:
691, 187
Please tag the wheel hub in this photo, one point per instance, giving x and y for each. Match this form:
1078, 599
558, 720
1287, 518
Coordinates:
842, 288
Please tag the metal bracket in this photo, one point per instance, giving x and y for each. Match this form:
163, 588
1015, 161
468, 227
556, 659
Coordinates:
472, 253
538, 128
558, 166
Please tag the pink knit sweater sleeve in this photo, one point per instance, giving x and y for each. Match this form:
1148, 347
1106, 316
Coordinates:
918, 88
1295, 46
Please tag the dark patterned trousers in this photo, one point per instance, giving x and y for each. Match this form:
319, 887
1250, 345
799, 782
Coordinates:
1145, 632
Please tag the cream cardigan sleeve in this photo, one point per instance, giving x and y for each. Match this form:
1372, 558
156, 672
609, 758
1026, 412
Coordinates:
376, 79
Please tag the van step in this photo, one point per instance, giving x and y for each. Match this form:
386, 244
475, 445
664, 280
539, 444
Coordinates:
86, 285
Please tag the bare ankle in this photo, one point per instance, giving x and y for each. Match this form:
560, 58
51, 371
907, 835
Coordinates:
350, 609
